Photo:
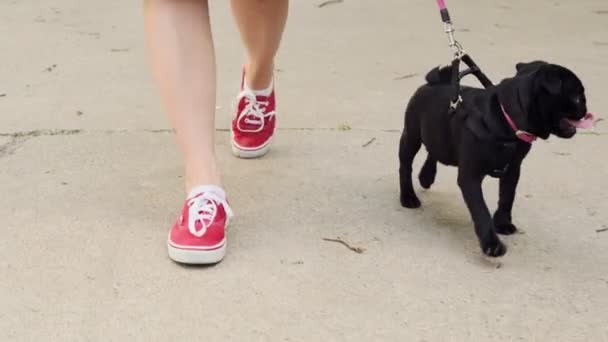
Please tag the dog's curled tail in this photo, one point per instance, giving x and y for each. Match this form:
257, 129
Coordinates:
440, 75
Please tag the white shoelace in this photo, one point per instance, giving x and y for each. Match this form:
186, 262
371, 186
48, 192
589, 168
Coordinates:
203, 209
253, 113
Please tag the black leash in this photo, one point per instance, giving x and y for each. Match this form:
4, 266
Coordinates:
459, 56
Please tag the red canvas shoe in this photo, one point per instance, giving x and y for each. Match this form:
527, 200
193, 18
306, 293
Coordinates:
198, 236
254, 124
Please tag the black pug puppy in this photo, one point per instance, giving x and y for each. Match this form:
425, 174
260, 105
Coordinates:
490, 133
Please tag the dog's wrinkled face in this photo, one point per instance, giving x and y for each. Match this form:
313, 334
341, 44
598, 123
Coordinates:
558, 101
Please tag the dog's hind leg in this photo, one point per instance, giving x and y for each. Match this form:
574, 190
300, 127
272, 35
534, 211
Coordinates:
408, 147
428, 172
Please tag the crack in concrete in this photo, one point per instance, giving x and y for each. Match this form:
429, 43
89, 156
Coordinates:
9, 147
18, 138
39, 132
53, 132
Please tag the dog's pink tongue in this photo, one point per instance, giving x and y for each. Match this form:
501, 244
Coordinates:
585, 123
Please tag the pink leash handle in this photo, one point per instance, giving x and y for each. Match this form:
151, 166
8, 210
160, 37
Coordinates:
445, 16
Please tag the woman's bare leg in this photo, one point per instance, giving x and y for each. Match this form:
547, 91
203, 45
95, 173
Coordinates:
183, 62
261, 23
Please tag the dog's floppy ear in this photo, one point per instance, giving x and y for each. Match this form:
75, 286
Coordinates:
528, 67
550, 80
519, 66
440, 75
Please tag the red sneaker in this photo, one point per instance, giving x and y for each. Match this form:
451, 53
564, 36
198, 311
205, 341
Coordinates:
198, 236
254, 124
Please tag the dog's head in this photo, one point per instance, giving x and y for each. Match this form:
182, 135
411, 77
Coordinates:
556, 99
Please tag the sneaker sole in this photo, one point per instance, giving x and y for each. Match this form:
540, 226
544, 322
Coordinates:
196, 257
249, 154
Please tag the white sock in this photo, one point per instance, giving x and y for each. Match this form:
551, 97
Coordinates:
259, 92
207, 188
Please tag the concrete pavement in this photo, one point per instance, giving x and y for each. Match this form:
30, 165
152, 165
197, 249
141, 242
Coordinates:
90, 182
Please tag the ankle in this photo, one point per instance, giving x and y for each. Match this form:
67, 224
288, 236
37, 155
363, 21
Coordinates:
206, 188
195, 178
259, 75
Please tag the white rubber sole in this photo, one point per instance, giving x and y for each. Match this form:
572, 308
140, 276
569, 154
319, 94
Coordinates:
249, 154
197, 257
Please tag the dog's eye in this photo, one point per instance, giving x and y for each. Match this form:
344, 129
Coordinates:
576, 100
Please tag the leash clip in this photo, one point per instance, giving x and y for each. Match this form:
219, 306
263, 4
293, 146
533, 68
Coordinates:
458, 50
453, 43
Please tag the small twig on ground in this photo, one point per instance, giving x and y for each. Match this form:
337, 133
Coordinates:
369, 142
2, 95
344, 127
562, 153
358, 250
51, 68
329, 2
405, 77
599, 119
601, 230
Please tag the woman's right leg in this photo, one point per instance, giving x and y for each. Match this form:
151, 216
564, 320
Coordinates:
183, 62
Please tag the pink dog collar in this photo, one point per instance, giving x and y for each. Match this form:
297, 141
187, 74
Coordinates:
522, 135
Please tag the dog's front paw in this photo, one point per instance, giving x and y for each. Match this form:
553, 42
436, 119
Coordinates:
494, 248
505, 229
502, 223
410, 201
